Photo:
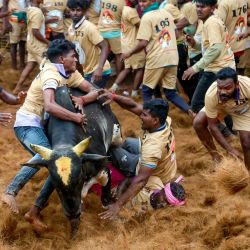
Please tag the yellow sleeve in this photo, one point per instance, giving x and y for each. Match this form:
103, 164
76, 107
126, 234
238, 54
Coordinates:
151, 154
210, 105
75, 80
222, 11
94, 35
174, 11
50, 76
189, 12
215, 36
145, 29
36, 19
133, 17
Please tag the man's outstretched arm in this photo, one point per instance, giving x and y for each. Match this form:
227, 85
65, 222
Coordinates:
124, 102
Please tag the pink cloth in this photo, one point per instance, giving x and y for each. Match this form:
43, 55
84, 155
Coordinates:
169, 195
116, 179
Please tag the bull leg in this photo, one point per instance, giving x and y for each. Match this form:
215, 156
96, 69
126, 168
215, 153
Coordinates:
74, 226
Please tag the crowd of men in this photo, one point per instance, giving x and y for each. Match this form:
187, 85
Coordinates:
199, 47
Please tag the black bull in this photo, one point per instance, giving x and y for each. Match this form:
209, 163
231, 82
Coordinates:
68, 166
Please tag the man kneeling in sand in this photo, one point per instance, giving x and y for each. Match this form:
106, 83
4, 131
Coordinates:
230, 94
150, 186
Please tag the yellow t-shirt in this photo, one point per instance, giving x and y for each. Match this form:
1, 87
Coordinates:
188, 10
177, 15
92, 15
158, 28
87, 37
129, 29
110, 16
35, 20
55, 8
158, 152
234, 15
238, 109
215, 32
34, 102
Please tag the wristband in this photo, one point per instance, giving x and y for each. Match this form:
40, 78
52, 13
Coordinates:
113, 96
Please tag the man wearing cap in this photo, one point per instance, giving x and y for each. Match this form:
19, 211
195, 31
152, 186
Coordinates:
156, 167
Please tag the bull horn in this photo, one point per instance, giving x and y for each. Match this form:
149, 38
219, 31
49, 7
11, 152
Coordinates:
81, 146
44, 152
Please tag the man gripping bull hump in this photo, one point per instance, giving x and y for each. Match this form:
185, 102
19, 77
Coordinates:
58, 70
151, 186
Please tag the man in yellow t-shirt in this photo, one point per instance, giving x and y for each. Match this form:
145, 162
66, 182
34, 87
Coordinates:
130, 23
157, 36
157, 166
229, 95
184, 14
110, 27
36, 42
90, 45
216, 51
234, 15
16, 24
59, 70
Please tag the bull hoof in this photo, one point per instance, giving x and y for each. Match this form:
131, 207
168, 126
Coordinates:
36, 223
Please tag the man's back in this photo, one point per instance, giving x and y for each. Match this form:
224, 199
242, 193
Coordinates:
234, 15
158, 28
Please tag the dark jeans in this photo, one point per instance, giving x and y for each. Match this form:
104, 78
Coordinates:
198, 100
191, 85
171, 95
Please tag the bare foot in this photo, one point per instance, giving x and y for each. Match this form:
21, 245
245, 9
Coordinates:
10, 201
35, 222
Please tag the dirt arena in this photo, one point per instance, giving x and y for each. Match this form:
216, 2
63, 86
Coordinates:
211, 218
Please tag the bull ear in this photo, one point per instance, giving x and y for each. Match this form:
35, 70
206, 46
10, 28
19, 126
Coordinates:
36, 163
82, 146
94, 157
44, 152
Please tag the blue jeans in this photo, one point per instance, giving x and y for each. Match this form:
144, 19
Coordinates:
29, 135
171, 95
100, 84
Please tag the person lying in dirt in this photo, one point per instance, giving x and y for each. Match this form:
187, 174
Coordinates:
58, 70
230, 94
150, 186
8, 98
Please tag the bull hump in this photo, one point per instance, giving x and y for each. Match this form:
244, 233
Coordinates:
63, 167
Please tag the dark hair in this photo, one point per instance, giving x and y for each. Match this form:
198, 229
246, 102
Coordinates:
157, 108
207, 2
59, 47
178, 191
83, 4
227, 73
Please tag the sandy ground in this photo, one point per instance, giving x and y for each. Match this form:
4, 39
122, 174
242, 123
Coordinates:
211, 218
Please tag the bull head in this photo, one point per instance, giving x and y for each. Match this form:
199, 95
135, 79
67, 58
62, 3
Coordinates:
46, 153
